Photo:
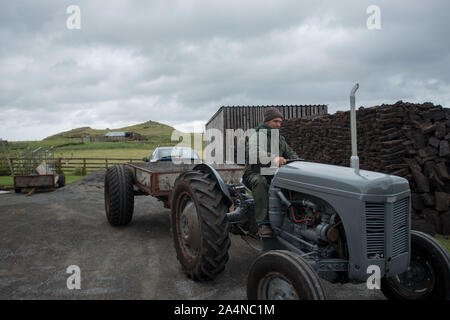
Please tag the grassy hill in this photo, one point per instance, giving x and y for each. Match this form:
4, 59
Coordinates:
69, 144
149, 128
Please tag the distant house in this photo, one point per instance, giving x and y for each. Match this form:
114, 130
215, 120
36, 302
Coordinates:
137, 136
117, 136
123, 136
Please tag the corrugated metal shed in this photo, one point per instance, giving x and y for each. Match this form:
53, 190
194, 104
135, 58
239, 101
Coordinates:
248, 117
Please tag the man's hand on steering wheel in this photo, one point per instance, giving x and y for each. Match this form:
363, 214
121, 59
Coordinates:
279, 161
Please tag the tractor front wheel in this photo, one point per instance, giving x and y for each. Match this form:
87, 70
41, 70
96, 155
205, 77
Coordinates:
428, 274
283, 275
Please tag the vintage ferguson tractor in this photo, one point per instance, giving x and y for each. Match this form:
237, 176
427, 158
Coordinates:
337, 223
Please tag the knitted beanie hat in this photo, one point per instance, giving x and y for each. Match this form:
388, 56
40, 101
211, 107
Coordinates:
272, 113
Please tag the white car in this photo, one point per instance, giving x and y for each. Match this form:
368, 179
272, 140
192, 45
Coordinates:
172, 153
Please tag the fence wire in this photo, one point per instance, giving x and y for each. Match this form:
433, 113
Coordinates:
28, 162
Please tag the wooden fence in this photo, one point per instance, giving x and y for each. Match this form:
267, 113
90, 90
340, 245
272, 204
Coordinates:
79, 165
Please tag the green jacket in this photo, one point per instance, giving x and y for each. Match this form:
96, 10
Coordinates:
284, 150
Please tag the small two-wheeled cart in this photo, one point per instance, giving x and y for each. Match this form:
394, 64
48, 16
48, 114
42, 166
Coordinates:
36, 169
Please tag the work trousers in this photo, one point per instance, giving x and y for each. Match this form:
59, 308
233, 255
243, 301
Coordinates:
259, 184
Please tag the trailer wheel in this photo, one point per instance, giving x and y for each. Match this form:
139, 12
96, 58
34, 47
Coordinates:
119, 196
283, 275
200, 226
428, 274
61, 180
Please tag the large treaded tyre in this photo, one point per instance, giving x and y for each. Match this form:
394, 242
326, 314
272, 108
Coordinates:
283, 275
428, 275
119, 195
200, 225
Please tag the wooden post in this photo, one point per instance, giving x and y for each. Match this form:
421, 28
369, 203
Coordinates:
32, 191
84, 164
7, 157
59, 166
106, 163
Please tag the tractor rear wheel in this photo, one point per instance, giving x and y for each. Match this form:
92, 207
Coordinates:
199, 224
428, 274
119, 195
283, 275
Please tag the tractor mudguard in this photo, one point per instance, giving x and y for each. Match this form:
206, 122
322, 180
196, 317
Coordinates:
223, 186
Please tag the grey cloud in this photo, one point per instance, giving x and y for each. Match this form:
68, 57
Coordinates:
178, 61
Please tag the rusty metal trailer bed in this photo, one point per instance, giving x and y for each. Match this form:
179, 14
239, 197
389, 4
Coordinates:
157, 179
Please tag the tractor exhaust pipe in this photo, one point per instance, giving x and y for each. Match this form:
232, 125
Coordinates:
354, 159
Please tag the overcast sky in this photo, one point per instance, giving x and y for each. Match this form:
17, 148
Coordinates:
177, 62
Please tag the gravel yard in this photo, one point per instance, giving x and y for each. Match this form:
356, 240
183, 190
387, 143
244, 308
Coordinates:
43, 234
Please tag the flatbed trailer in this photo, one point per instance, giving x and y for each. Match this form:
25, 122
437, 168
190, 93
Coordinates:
158, 178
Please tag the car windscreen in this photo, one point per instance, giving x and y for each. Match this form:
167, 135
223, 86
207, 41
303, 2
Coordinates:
184, 153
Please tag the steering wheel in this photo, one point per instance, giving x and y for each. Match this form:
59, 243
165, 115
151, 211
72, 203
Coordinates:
293, 160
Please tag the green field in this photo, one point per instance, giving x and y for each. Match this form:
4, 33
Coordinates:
88, 142
6, 181
445, 240
88, 149
76, 148
77, 154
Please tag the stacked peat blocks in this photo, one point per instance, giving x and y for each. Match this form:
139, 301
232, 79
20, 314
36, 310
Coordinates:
404, 139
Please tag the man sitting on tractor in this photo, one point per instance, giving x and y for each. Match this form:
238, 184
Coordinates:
253, 177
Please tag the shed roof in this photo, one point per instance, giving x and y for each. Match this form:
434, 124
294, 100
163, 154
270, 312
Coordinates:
116, 134
280, 107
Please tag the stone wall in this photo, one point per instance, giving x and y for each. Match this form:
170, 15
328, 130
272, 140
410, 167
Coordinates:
404, 139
